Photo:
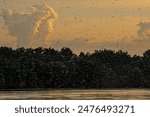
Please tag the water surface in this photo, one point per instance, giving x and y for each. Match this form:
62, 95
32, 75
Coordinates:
76, 94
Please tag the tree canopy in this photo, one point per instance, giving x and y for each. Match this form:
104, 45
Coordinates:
49, 68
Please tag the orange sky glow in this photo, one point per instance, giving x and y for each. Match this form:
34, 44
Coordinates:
86, 25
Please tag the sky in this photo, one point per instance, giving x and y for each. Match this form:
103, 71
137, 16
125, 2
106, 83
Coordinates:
82, 25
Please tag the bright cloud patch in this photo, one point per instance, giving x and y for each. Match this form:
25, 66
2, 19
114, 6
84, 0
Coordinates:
31, 29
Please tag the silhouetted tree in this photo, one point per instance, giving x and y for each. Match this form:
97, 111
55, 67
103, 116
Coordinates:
49, 68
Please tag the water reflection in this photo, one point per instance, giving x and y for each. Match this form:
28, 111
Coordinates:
76, 94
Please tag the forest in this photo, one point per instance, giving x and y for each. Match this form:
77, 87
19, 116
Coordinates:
43, 68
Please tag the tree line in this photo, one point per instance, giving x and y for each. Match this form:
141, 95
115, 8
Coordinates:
49, 68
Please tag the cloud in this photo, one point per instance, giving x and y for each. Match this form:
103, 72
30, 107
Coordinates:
144, 30
31, 29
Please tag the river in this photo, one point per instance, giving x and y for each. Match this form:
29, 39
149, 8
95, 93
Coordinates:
131, 94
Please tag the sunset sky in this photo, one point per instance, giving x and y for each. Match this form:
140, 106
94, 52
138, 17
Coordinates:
86, 25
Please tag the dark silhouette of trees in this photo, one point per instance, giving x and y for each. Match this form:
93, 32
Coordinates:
49, 68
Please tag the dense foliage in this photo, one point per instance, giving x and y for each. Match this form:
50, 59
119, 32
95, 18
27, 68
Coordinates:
49, 68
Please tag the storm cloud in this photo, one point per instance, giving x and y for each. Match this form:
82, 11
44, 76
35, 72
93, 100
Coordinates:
31, 29
144, 30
